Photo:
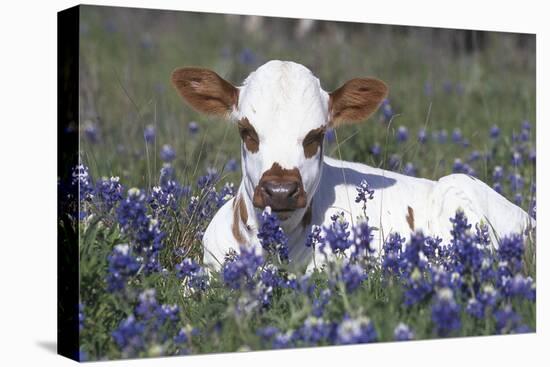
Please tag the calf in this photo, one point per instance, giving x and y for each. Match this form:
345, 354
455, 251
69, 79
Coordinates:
282, 114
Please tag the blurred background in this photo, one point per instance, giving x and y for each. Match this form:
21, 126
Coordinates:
460, 101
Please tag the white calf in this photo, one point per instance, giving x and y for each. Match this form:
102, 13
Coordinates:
282, 114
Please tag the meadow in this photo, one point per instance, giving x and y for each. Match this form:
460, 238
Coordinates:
153, 173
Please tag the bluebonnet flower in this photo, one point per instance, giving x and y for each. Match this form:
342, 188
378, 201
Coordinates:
510, 251
391, 258
520, 287
448, 86
445, 313
193, 127
91, 131
183, 338
475, 308
516, 182
352, 275
428, 89
108, 192
155, 314
364, 193
195, 275
319, 303
517, 159
518, 198
226, 193
232, 165
271, 235
526, 125
81, 178
409, 169
488, 296
314, 330
376, 149
122, 266
353, 331
238, 273
456, 135
270, 277
498, 173
442, 136
413, 255
507, 321
314, 237
465, 143
147, 304
402, 332
247, 57
417, 287
482, 234
362, 241
474, 156
166, 197
336, 235
431, 247
461, 167
466, 256
167, 153
129, 336
387, 110
441, 277
402, 134
166, 174
149, 133
144, 231
284, 340
458, 166
422, 136
267, 333
208, 180
394, 162
494, 132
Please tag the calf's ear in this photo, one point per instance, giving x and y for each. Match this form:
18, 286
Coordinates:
356, 100
205, 91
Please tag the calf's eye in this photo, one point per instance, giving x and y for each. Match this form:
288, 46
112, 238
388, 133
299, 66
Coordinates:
248, 135
313, 141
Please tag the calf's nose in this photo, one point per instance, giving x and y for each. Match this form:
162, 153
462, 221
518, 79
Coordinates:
280, 195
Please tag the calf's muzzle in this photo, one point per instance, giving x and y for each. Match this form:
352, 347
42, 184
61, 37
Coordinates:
281, 189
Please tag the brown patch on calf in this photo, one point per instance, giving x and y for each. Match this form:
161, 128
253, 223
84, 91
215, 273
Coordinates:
279, 174
356, 100
313, 141
239, 215
248, 135
410, 217
205, 90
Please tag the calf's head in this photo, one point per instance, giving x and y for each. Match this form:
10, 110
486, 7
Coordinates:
282, 115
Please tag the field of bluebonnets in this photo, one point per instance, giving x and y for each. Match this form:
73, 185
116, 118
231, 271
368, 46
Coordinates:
153, 173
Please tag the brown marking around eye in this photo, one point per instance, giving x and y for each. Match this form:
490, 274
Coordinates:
313, 141
249, 135
410, 217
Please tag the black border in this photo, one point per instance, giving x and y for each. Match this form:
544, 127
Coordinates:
68, 29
